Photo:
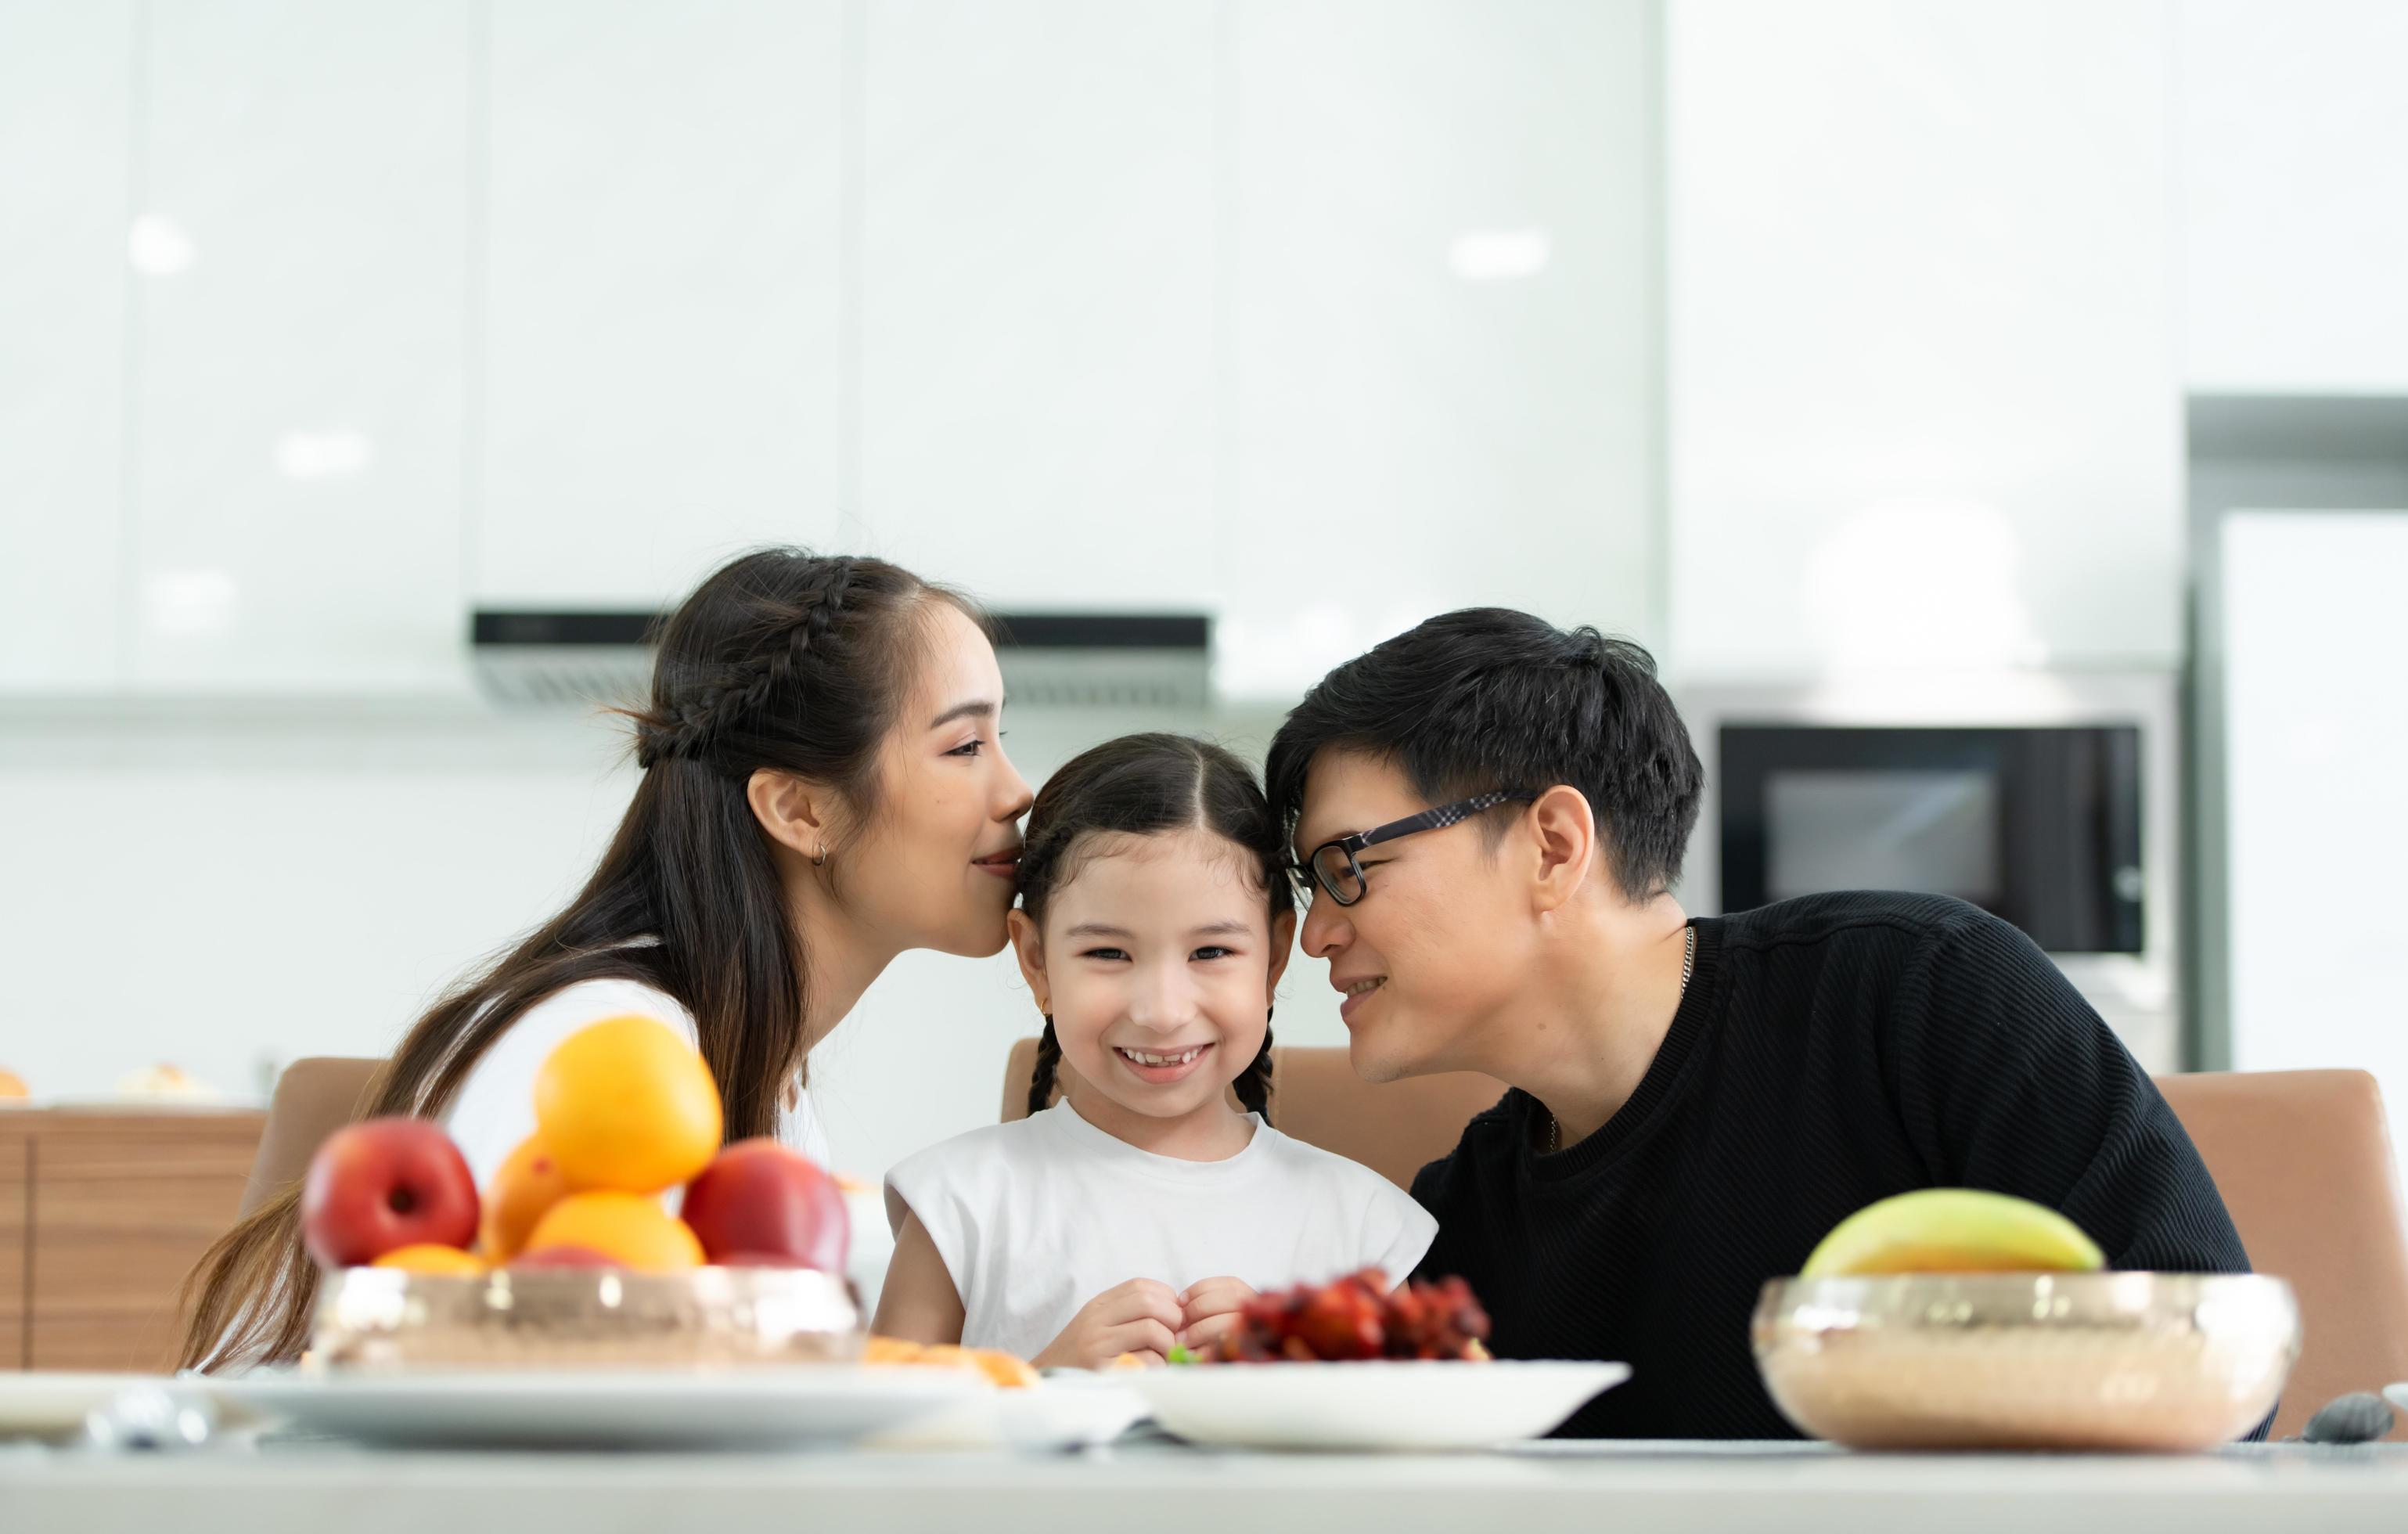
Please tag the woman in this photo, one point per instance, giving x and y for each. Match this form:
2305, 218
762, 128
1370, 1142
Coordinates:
823, 787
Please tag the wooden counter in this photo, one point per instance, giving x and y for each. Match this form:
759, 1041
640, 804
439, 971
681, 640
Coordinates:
101, 1213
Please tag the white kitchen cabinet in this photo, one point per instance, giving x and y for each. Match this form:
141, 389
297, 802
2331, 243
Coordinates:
64, 112
1442, 351
300, 261
1036, 414
2313, 827
2293, 233
660, 238
1921, 392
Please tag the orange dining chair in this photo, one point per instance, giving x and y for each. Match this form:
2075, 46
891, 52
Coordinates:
314, 1097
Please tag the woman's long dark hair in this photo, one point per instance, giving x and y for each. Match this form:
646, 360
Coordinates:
1144, 785
781, 659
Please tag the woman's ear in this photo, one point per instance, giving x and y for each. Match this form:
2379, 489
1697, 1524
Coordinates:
794, 812
1283, 945
1029, 949
1563, 830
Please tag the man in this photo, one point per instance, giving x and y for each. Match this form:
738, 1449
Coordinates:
1494, 812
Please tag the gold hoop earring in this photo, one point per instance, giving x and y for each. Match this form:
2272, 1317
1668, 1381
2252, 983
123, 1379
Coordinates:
821, 861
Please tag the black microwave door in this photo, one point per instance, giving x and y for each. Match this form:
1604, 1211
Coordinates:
2039, 826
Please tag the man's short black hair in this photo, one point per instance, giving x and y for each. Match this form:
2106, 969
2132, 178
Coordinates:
1489, 698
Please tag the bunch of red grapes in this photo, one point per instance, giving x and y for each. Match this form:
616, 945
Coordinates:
1355, 1317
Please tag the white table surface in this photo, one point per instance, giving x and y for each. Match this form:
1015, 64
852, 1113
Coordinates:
1620, 1487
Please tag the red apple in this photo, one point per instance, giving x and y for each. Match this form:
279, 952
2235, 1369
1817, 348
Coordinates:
762, 1203
564, 1255
383, 1185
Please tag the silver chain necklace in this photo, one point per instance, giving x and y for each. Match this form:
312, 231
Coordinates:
1689, 967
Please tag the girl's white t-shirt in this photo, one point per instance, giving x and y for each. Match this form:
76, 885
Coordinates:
494, 1108
1037, 1217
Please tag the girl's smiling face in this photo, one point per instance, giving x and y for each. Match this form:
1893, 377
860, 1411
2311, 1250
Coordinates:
1157, 962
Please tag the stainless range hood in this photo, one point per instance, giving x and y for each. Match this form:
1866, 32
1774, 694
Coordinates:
562, 657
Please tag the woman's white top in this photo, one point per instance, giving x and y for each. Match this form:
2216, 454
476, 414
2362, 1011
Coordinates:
1037, 1217
494, 1108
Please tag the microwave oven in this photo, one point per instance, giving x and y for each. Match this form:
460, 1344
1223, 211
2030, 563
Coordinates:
2038, 825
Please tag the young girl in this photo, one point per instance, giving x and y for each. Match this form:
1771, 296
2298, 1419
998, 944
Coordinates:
1140, 1212
822, 789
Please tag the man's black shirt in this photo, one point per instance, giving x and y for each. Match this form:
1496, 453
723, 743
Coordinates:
1828, 1052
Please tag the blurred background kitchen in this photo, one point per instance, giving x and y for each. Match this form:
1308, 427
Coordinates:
1993, 413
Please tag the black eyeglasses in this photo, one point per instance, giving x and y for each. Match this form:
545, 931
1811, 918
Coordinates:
1332, 864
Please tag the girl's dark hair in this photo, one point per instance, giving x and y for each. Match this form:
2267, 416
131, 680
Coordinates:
781, 659
1489, 698
1143, 785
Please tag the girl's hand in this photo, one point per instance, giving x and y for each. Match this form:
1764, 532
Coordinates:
1208, 1307
1140, 1316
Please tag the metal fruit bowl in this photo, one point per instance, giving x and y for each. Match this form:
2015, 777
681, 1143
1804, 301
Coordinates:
2167, 1362
384, 1319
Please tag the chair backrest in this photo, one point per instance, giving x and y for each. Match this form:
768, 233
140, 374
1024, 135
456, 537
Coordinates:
314, 1097
2304, 1162
1395, 1129
2302, 1158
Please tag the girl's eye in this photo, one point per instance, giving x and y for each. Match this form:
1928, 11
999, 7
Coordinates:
967, 748
1105, 953
1212, 953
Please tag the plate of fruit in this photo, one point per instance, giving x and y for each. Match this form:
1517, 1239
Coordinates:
623, 1278
1357, 1364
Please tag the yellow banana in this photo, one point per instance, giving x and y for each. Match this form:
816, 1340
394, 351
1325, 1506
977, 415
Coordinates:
1954, 1230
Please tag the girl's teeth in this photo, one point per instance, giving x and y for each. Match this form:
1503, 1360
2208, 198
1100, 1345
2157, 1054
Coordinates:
1144, 1059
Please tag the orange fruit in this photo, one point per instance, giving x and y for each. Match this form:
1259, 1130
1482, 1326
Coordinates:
629, 1226
626, 1104
13, 1085
428, 1257
528, 1183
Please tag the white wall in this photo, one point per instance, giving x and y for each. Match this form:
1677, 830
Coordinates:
228, 890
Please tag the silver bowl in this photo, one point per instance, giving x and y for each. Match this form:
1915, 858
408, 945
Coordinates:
386, 1319
2167, 1362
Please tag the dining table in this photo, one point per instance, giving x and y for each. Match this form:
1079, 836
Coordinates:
271, 1486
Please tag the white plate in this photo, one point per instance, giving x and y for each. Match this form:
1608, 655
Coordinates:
1375, 1405
755, 1409
1056, 1414
52, 1405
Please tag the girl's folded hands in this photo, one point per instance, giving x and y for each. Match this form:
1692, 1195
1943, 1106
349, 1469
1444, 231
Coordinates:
1208, 1307
1143, 1317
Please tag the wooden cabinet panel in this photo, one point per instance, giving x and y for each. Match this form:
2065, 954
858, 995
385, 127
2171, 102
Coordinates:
123, 1205
15, 1186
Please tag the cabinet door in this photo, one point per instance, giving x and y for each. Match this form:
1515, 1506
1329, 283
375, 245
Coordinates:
660, 220
63, 111
2294, 234
1921, 391
1037, 409
301, 253
124, 1205
1442, 346
16, 1198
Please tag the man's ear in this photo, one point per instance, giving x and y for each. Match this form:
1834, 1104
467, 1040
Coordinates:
797, 814
1283, 945
1563, 830
1029, 949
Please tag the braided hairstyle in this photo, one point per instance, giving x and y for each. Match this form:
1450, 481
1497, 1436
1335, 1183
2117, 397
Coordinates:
1144, 785
781, 659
